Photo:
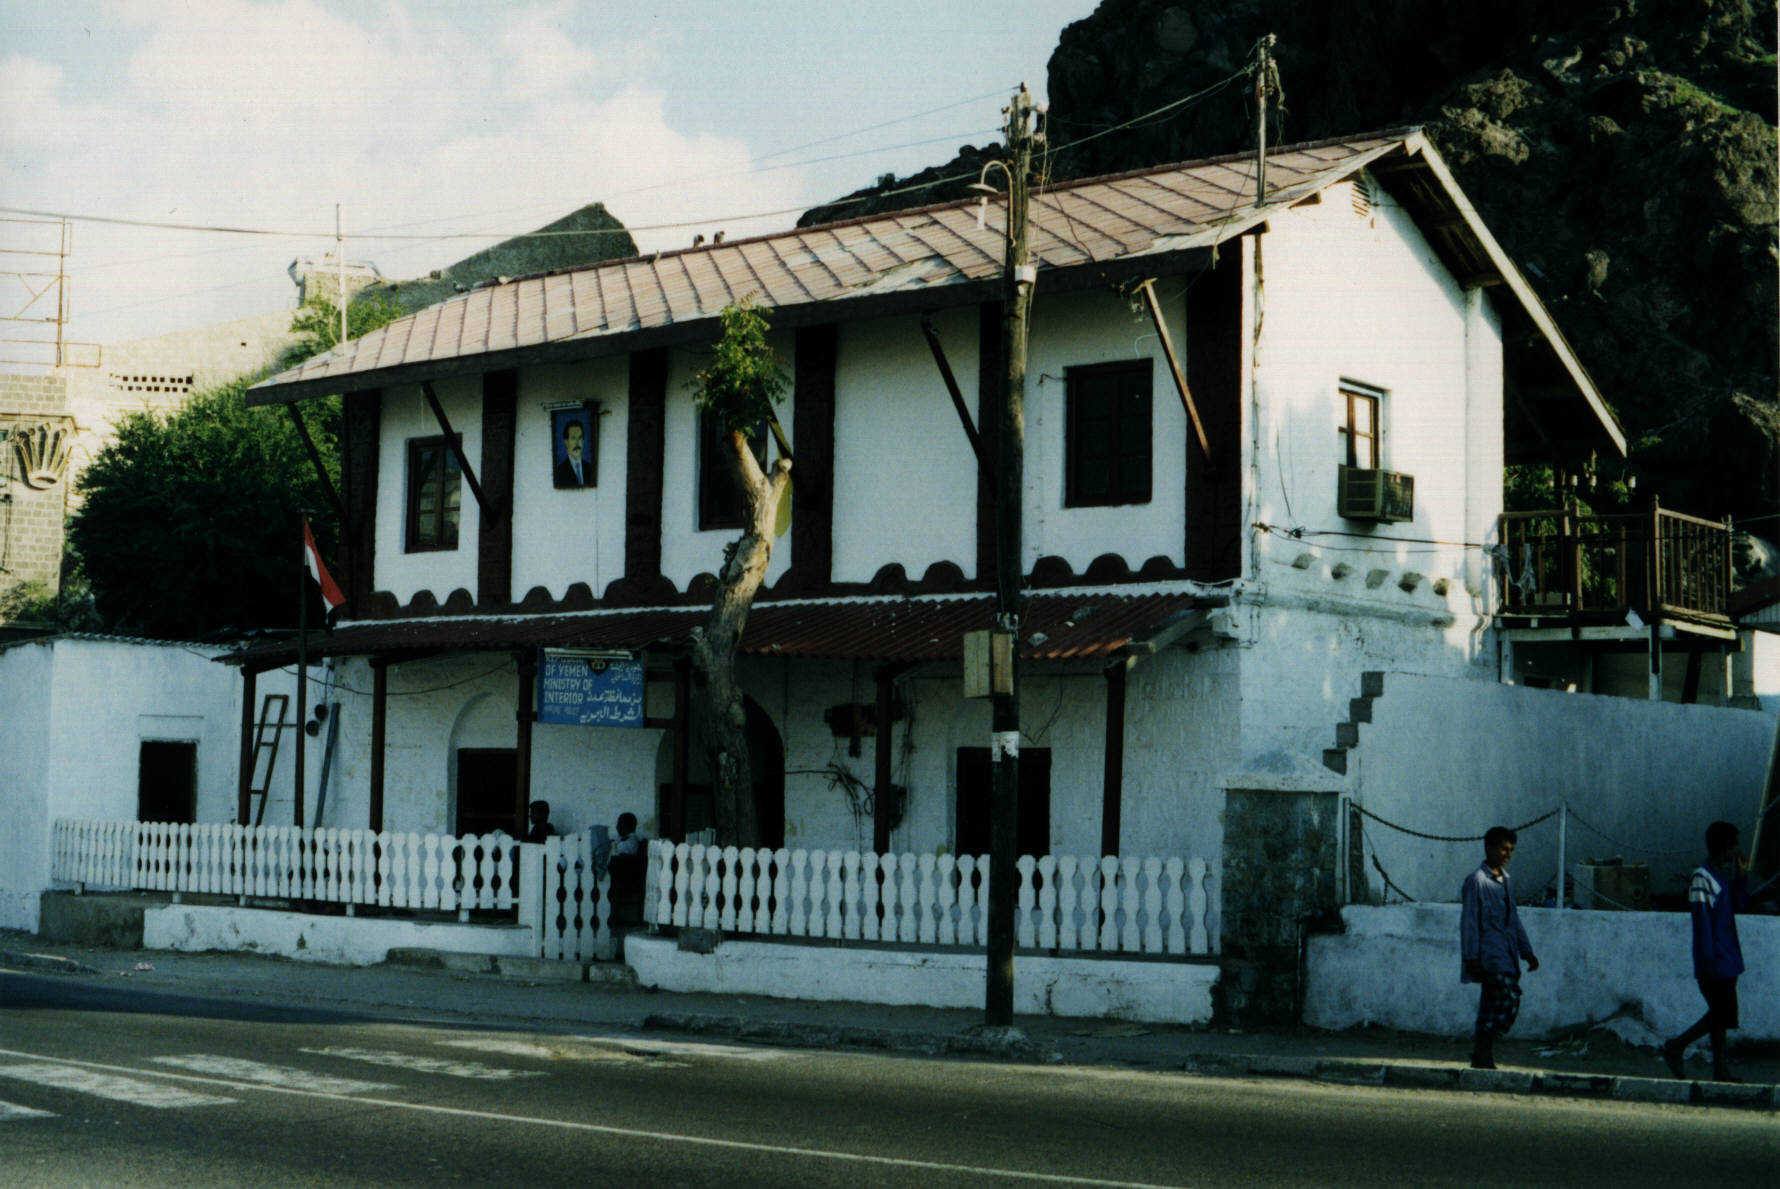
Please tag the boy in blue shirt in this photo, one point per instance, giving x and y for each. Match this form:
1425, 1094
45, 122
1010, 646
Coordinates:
1492, 943
1720, 890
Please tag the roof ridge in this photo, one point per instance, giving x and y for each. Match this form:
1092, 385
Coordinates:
1395, 133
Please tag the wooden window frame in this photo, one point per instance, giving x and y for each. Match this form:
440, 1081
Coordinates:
1353, 398
1077, 409
717, 484
416, 479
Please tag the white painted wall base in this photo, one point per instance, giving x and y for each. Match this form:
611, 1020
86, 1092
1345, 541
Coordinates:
1399, 967
345, 941
1153, 992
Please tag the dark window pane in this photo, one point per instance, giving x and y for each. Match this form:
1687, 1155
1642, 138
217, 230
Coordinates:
1108, 434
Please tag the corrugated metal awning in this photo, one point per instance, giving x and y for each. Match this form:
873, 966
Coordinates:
1056, 626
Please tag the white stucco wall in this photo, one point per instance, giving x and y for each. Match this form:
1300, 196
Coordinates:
342, 941
588, 774
1453, 758
1398, 967
407, 416
564, 537
1154, 992
905, 479
1100, 326
1367, 300
27, 697
74, 714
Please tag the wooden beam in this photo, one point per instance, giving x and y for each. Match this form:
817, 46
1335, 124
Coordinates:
951, 381
674, 823
1148, 287
1112, 790
321, 470
457, 447
379, 730
249, 695
522, 748
884, 754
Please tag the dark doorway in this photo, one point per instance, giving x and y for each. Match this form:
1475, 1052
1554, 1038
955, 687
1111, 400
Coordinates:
167, 782
485, 789
975, 781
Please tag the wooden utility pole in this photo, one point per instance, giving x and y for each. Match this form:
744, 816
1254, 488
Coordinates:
1266, 84
1018, 279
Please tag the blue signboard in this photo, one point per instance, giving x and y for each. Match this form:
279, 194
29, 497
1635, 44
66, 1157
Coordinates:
585, 688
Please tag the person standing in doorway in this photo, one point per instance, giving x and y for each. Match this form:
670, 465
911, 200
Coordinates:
1719, 891
541, 829
1492, 944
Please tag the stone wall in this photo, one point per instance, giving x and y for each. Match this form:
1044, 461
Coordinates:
31, 515
1279, 881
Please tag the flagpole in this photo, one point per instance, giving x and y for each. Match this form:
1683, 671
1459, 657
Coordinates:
302, 666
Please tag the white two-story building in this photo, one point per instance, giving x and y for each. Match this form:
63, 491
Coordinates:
1201, 620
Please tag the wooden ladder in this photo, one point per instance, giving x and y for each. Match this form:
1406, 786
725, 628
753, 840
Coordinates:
270, 746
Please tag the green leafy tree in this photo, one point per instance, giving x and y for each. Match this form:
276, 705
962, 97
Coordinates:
739, 386
317, 324
188, 523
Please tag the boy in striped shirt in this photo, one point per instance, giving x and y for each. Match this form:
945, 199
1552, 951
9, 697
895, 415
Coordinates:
1720, 890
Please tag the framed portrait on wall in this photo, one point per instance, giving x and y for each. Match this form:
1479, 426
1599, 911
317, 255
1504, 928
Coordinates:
574, 444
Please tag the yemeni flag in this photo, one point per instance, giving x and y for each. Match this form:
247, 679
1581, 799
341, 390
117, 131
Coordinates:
330, 590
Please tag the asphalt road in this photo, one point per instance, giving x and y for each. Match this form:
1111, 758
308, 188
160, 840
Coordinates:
112, 1086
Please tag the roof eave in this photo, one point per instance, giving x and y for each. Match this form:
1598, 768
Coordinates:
1417, 147
1181, 256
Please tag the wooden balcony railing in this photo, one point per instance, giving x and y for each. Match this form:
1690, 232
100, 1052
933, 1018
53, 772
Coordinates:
1661, 564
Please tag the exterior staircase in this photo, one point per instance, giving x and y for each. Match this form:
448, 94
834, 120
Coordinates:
1359, 710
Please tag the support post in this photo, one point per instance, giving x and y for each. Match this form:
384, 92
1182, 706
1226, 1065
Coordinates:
302, 694
522, 748
1018, 280
379, 725
674, 828
1112, 792
249, 698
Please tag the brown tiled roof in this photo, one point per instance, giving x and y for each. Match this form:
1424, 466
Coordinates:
1055, 626
1167, 208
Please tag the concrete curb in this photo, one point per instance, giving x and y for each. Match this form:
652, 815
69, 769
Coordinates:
510, 966
1427, 1076
1002, 1043
44, 963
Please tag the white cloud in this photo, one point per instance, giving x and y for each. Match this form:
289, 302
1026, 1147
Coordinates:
266, 114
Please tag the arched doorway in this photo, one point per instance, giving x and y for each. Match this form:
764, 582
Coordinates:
766, 757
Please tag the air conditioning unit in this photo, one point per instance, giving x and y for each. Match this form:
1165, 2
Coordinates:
1367, 494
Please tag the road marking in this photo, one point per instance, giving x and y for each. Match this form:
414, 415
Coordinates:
83, 1079
601, 1046
453, 1069
1008, 1174
270, 1075
10, 1111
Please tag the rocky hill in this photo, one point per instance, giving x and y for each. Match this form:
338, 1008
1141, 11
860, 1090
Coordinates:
583, 237
1623, 151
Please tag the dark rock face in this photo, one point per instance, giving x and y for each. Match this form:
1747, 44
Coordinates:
1623, 151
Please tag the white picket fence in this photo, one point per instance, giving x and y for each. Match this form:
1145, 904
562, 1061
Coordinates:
1126, 905
563, 889
352, 867
576, 922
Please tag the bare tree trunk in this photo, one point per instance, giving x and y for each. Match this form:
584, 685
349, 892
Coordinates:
723, 714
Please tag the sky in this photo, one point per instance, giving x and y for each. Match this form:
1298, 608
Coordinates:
455, 124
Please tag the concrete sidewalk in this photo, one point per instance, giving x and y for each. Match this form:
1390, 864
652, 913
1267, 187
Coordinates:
1615, 1061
